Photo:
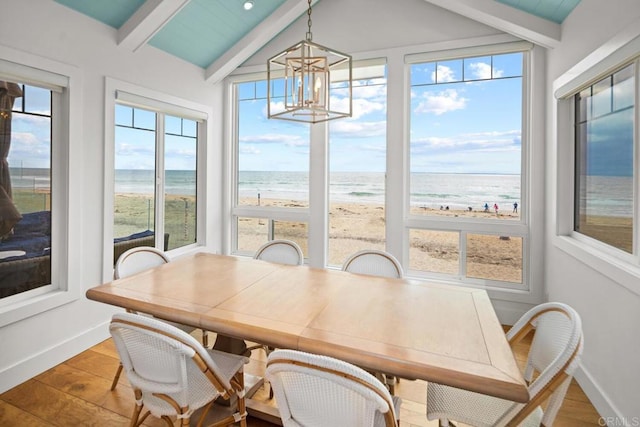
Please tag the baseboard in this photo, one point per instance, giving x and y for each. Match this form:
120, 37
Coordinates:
610, 415
50, 357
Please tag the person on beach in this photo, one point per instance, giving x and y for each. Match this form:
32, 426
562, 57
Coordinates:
515, 207
495, 207
486, 207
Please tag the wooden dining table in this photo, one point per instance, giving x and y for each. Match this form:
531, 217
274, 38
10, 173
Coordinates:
407, 328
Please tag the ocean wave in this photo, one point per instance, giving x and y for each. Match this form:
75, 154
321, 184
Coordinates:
362, 194
435, 195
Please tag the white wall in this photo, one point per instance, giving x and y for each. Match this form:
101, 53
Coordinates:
46, 29
610, 312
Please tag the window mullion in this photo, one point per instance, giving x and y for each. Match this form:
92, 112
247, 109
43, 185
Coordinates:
636, 162
159, 184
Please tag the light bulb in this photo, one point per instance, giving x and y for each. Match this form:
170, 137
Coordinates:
248, 5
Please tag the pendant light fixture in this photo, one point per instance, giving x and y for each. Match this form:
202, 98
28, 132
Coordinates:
313, 76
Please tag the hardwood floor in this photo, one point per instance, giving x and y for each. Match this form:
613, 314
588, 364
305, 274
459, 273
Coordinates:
76, 393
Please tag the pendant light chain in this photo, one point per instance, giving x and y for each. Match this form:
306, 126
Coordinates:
309, 37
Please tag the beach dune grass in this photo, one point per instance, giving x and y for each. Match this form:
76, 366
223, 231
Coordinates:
134, 213
29, 200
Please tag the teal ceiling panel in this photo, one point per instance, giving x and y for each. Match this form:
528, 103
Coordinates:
552, 10
204, 29
110, 12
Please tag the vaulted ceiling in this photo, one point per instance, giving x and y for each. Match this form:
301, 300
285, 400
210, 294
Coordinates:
218, 35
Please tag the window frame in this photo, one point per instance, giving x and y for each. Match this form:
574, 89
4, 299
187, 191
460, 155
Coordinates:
119, 92
396, 229
513, 228
316, 214
619, 266
268, 213
66, 177
160, 140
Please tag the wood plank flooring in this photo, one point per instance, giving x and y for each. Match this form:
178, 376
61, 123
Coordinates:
76, 393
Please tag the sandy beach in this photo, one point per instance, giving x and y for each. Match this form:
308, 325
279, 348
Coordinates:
354, 226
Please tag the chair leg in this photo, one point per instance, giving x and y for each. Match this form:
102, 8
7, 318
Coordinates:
205, 338
242, 409
136, 414
116, 377
390, 382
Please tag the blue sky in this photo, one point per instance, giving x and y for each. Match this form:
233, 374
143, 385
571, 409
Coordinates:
30, 134
135, 148
470, 126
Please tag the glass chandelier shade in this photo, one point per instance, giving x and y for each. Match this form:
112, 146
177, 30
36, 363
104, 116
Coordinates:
317, 83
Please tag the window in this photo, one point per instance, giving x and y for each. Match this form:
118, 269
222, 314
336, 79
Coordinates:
466, 176
357, 153
467, 148
604, 165
272, 172
466, 131
25, 187
155, 189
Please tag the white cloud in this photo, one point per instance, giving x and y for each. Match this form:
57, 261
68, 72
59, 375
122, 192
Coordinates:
276, 107
482, 70
358, 129
441, 102
30, 120
361, 107
24, 139
127, 149
274, 138
477, 142
181, 152
445, 74
249, 149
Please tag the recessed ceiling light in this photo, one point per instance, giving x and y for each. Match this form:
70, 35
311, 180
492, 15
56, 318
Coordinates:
248, 5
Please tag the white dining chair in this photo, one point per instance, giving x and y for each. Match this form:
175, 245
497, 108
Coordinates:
172, 374
553, 357
280, 251
373, 262
376, 263
314, 390
137, 260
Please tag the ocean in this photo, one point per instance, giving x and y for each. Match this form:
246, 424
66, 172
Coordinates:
458, 191
611, 196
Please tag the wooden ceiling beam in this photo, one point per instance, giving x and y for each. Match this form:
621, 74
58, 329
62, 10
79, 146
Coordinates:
506, 18
147, 21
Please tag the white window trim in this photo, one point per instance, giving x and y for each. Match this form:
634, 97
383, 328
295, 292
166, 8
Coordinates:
67, 180
137, 96
237, 211
515, 301
530, 289
619, 267
316, 215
